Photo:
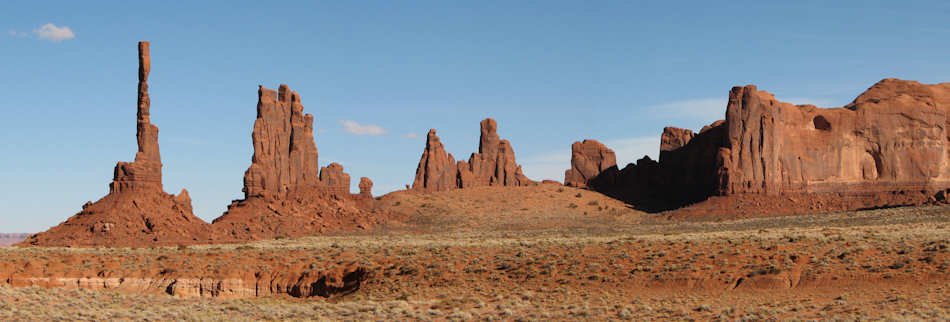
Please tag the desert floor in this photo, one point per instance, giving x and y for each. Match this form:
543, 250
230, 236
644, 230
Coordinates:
532, 254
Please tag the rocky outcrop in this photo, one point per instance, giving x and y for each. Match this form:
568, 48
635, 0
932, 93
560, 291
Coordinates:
892, 137
493, 165
589, 159
889, 147
332, 282
437, 170
137, 211
286, 193
366, 187
285, 155
334, 179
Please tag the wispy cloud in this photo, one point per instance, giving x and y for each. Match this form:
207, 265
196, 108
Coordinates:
411, 136
18, 34
53, 33
551, 165
630, 150
355, 128
704, 109
695, 113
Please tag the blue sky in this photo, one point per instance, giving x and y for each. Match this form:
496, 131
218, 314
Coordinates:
550, 72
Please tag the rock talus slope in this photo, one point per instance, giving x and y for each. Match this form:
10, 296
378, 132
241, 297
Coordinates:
137, 211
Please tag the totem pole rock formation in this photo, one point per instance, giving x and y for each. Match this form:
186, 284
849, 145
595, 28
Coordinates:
493, 165
137, 211
889, 147
286, 193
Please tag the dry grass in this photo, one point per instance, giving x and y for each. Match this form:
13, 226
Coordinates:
879, 264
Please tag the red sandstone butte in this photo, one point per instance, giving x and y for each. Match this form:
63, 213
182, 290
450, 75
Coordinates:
493, 165
889, 147
137, 211
286, 194
589, 159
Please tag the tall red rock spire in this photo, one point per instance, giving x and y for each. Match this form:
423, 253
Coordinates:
145, 173
436, 170
285, 155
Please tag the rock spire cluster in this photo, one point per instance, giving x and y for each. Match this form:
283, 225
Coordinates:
493, 165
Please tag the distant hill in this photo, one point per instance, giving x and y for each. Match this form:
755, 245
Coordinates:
10, 239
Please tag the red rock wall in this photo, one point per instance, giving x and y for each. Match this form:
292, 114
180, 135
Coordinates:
589, 159
892, 139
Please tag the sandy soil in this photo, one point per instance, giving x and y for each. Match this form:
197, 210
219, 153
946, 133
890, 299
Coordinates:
481, 256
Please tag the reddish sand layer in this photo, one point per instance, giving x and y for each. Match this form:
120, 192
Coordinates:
825, 259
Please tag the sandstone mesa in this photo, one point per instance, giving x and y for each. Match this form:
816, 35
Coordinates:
889, 147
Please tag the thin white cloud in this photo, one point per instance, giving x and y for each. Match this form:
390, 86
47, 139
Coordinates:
704, 108
18, 34
632, 149
359, 129
547, 166
53, 33
551, 165
695, 113
411, 136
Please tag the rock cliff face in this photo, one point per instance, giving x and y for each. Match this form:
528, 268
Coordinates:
892, 137
890, 146
285, 156
589, 159
493, 165
137, 211
286, 193
437, 170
